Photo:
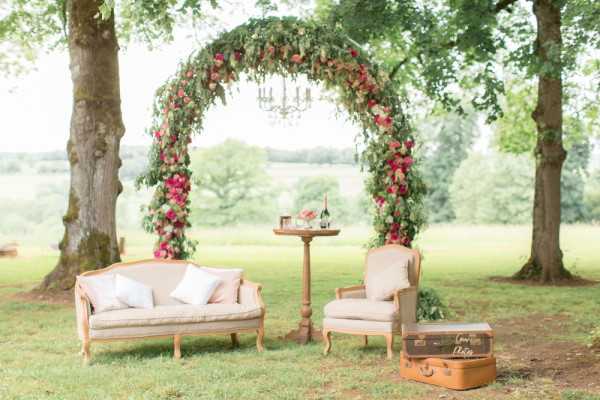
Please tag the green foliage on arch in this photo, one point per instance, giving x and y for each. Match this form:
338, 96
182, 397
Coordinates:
290, 47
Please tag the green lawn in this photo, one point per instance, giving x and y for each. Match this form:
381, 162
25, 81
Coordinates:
40, 360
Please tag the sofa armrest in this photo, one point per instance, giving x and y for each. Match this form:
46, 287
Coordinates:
405, 301
250, 293
83, 310
351, 292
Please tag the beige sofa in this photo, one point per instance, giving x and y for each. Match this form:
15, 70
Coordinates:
169, 317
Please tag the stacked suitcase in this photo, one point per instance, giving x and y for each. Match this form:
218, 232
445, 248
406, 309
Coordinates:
454, 355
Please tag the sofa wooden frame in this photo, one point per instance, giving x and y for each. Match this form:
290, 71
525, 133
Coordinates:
340, 293
85, 304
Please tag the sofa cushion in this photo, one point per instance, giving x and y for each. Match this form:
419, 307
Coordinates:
363, 309
227, 291
382, 283
196, 287
101, 290
133, 293
169, 315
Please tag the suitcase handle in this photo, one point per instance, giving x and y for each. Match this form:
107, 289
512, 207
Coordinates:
426, 371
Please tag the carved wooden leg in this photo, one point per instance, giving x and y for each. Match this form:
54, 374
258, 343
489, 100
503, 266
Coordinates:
260, 334
327, 340
389, 339
177, 347
235, 340
85, 350
365, 340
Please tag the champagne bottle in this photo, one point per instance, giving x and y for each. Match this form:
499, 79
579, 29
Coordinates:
324, 224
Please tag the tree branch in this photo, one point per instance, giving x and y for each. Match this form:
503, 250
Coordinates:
500, 6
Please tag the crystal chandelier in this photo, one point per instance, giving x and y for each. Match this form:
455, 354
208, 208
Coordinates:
288, 109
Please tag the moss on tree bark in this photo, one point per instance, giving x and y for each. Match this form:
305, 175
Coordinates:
90, 239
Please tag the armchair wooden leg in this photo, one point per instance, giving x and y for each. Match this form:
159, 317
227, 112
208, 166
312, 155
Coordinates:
235, 340
85, 350
365, 340
177, 347
389, 339
327, 340
260, 334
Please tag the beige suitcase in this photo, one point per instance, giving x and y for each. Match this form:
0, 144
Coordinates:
452, 374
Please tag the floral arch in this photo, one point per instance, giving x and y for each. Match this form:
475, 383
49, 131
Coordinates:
281, 46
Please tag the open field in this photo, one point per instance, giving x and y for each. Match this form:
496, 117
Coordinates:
541, 347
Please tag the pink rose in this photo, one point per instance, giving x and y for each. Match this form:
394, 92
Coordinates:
180, 93
171, 215
296, 58
380, 201
215, 76
186, 100
189, 74
403, 189
219, 59
409, 144
371, 103
157, 134
353, 52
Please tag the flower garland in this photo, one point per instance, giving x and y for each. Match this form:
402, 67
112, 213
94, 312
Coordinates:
282, 46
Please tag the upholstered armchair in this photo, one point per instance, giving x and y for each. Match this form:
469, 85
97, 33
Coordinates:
357, 310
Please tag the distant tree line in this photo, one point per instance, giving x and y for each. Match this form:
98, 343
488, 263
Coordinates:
315, 155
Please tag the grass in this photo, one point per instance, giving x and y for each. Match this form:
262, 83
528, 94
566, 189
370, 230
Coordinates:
40, 360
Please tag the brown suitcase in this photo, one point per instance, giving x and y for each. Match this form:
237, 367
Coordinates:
451, 374
447, 340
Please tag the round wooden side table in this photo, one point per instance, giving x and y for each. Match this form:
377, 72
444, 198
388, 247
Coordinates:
306, 331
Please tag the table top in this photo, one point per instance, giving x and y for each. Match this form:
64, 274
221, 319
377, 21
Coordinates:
303, 232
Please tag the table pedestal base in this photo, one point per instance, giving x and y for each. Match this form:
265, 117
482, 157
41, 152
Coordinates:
305, 333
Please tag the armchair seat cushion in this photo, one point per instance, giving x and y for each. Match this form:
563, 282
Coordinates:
362, 309
174, 315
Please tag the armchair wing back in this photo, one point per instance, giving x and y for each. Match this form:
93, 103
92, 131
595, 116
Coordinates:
381, 257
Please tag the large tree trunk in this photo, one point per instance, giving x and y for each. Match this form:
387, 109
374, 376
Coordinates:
545, 263
90, 239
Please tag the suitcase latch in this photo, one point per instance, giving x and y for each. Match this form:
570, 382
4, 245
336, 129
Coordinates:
419, 343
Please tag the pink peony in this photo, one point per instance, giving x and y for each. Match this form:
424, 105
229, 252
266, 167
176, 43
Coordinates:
296, 58
394, 144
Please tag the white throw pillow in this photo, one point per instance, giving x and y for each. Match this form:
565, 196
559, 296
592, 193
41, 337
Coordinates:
133, 293
102, 292
227, 291
196, 287
381, 285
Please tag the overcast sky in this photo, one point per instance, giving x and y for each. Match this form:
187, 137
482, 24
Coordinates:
36, 108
